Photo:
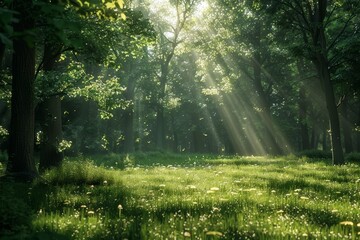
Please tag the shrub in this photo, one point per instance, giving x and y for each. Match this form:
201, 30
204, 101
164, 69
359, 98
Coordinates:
353, 157
315, 154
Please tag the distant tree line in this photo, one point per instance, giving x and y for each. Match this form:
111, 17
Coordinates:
223, 77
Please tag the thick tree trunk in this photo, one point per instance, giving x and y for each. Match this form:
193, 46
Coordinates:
335, 136
21, 162
324, 75
322, 65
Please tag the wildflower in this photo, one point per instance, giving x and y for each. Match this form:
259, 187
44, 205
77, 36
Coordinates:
83, 206
215, 209
91, 212
304, 198
358, 225
273, 191
162, 185
210, 192
214, 189
120, 207
214, 233
105, 182
88, 193
187, 234
297, 190
280, 211
334, 211
347, 223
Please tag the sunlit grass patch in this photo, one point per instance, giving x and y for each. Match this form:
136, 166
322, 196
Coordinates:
78, 173
216, 198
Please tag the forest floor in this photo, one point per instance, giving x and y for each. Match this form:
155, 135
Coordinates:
164, 196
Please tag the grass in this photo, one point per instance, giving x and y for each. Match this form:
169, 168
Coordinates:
165, 196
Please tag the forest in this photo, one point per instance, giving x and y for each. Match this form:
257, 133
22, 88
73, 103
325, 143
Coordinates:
202, 119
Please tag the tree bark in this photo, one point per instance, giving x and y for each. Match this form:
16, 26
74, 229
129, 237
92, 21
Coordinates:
51, 125
322, 65
346, 125
51, 119
324, 74
21, 162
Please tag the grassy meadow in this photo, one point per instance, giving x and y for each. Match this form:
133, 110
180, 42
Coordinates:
164, 196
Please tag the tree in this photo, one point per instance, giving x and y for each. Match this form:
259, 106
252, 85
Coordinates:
168, 40
312, 20
21, 162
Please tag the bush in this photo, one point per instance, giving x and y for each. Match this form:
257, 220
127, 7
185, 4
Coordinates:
315, 154
353, 157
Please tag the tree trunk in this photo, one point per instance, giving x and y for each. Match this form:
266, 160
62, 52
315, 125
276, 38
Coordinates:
129, 135
303, 108
324, 74
304, 130
51, 125
160, 128
346, 125
322, 65
160, 117
51, 117
21, 162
